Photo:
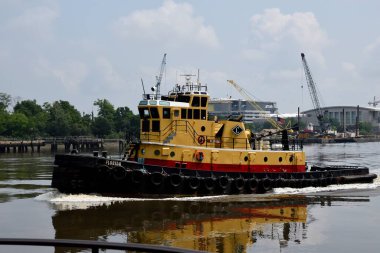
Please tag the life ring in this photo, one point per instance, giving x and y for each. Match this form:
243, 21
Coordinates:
201, 139
199, 156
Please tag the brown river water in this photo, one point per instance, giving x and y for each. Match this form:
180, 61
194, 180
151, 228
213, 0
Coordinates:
343, 218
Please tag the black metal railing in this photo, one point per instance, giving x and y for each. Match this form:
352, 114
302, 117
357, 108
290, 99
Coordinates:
95, 246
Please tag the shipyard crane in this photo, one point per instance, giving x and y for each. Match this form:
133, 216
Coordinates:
374, 102
245, 94
313, 94
156, 88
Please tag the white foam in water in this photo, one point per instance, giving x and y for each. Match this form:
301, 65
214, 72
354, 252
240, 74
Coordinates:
84, 201
329, 188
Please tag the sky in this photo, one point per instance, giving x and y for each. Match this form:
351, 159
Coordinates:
81, 51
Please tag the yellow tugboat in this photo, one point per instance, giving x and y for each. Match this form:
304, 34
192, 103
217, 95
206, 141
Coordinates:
182, 151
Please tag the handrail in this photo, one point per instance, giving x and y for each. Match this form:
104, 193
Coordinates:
93, 245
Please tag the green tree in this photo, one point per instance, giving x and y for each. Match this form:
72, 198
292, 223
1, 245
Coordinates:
5, 101
105, 109
4, 116
126, 123
63, 119
36, 115
18, 125
101, 127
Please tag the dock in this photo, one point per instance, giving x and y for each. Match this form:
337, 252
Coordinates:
69, 143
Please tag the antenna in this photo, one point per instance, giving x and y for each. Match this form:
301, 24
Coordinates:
142, 83
198, 83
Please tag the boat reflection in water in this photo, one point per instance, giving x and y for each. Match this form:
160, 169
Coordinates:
230, 225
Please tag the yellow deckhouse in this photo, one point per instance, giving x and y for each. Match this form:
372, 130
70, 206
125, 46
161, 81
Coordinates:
175, 131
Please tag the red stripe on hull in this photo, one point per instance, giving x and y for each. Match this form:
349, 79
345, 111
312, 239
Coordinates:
227, 167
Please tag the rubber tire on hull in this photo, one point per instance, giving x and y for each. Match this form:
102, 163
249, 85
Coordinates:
175, 183
193, 184
224, 184
252, 185
209, 184
238, 185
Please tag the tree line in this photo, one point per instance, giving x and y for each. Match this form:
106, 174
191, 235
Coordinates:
27, 119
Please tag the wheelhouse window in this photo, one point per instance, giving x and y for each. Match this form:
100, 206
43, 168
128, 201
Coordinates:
176, 113
196, 114
184, 98
154, 112
144, 113
145, 125
183, 113
189, 113
195, 102
166, 113
155, 125
203, 101
203, 114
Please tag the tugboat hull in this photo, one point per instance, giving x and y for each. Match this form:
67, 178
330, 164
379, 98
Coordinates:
91, 174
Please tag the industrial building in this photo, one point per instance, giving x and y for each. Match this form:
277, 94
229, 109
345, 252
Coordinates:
346, 116
228, 107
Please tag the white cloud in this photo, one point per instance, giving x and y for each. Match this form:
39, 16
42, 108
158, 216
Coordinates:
108, 72
70, 74
36, 22
351, 69
274, 31
286, 74
172, 24
373, 46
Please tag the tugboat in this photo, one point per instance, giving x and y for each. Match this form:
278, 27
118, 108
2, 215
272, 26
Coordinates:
181, 151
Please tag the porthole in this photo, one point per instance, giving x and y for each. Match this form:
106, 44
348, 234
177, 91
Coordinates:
265, 159
143, 151
280, 159
291, 159
157, 152
245, 158
172, 154
203, 128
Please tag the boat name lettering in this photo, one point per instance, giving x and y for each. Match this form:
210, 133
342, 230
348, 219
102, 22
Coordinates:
113, 163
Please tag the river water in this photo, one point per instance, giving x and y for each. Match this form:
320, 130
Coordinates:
334, 219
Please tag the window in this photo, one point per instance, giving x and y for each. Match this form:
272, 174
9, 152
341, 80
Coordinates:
183, 113
155, 125
203, 101
203, 114
144, 113
195, 102
182, 98
154, 112
196, 114
166, 113
189, 113
145, 125
176, 113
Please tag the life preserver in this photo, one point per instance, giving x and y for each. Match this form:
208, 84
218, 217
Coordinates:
201, 139
199, 156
